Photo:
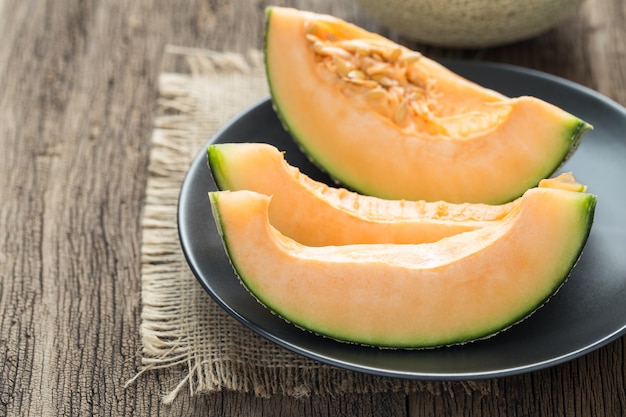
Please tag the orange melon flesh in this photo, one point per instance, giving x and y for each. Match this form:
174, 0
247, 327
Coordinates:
565, 181
458, 142
458, 289
315, 214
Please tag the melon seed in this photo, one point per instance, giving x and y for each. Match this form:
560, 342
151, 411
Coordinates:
312, 28
319, 47
312, 38
362, 82
395, 54
384, 80
356, 46
401, 112
322, 49
356, 75
376, 94
322, 29
412, 57
343, 67
376, 68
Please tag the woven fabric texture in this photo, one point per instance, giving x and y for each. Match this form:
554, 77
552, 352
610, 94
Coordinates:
182, 326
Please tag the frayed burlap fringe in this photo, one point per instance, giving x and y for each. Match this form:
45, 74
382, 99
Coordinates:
181, 325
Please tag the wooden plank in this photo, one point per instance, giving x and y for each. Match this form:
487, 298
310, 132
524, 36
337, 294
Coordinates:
78, 89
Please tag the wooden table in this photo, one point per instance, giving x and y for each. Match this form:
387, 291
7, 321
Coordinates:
77, 101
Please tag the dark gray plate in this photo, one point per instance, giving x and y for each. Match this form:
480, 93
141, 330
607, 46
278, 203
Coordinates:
588, 312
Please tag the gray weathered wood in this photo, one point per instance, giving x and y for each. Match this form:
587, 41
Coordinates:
77, 99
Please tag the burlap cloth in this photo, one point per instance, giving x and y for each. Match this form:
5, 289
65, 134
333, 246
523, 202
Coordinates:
182, 326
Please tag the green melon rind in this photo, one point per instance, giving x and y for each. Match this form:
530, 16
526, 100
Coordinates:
575, 135
586, 208
215, 159
572, 136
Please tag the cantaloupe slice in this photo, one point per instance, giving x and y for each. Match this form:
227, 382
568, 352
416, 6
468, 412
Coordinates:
315, 214
458, 289
386, 121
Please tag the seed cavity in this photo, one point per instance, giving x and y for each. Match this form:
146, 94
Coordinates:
390, 78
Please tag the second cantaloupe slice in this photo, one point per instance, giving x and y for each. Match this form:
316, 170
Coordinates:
315, 214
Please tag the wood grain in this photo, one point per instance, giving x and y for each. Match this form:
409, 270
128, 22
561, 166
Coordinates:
77, 100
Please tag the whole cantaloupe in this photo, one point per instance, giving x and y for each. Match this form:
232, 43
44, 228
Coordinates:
469, 23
